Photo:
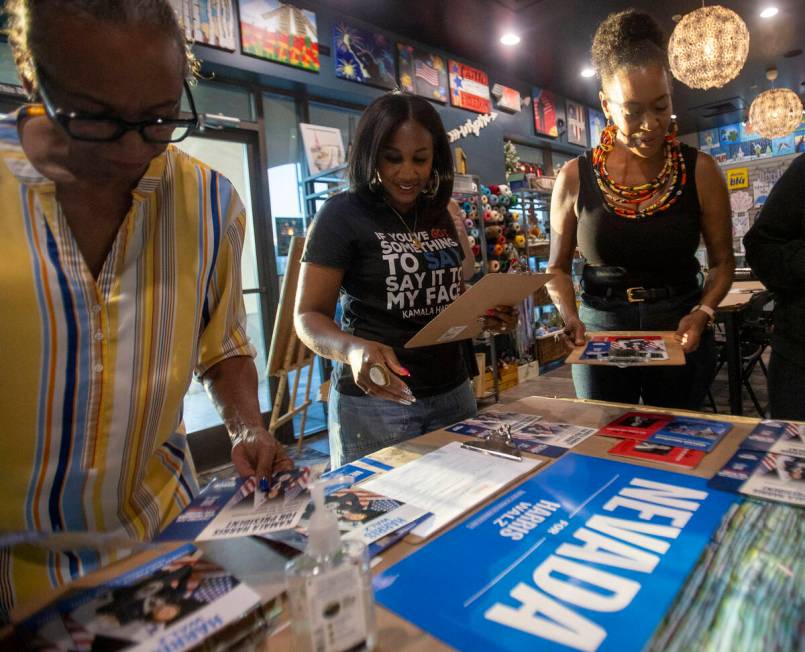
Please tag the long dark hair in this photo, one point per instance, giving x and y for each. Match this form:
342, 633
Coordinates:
376, 126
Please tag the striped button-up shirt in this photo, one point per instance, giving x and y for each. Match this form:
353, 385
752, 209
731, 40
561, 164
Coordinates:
93, 371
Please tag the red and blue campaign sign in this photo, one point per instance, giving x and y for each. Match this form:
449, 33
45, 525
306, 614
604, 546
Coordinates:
469, 88
586, 555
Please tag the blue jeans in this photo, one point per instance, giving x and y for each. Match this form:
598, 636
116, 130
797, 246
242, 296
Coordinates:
786, 388
672, 386
360, 425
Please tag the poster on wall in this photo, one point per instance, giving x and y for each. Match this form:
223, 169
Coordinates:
363, 56
708, 139
324, 147
507, 98
546, 114
597, 121
576, 124
279, 32
422, 73
589, 555
210, 22
469, 88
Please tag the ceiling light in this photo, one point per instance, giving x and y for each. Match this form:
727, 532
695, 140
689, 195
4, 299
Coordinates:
510, 39
587, 72
775, 113
708, 47
768, 12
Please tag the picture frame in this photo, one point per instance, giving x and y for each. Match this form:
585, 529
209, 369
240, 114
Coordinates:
422, 73
469, 88
364, 56
324, 147
546, 113
279, 32
212, 23
576, 123
596, 121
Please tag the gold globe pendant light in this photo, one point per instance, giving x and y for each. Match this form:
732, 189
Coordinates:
708, 47
776, 112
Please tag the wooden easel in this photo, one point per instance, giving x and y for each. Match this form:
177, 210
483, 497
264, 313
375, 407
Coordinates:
288, 353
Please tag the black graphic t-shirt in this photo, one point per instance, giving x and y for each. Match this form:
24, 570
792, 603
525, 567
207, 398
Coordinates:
390, 290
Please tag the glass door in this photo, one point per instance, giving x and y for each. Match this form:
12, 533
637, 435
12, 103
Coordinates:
233, 153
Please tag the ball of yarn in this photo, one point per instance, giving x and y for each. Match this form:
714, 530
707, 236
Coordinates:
467, 206
493, 266
473, 233
501, 239
471, 240
519, 241
493, 200
485, 199
492, 232
476, 251
485, 190
469, 223
517, 227
498, 249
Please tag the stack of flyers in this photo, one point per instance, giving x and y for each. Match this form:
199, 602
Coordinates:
171, 603
236, 508
363, 515
777, 437
486, 422
646, 450
550, 439
635, 425
687, 432
772, 476
625, 350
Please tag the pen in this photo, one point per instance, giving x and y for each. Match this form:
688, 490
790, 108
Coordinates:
264, 484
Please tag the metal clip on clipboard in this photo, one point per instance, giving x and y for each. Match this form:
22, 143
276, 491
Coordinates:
498, 442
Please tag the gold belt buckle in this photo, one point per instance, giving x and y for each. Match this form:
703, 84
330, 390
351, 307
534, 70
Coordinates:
630, 295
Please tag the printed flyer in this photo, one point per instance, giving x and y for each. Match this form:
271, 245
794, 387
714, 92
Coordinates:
171, 603
687, 432
771, 476
777, 437
550, 439
646, 450
489, 420
588, 555
624, 350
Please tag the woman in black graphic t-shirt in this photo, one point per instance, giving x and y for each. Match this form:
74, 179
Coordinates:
637, 205
391, 250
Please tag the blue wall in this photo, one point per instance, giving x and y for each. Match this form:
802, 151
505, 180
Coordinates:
485, 152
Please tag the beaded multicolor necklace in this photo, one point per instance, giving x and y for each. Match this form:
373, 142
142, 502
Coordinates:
672, 178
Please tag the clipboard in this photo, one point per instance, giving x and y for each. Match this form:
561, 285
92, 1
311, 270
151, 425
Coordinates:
676, 356
459, 321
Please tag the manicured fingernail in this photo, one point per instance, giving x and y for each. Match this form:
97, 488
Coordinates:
264, 484
402, 401
405, 372
490, 312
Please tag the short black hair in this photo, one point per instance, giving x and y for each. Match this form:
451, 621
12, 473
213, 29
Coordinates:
376, 126
628, 39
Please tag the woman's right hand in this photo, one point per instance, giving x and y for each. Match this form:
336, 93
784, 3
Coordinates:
575, 331
365, 354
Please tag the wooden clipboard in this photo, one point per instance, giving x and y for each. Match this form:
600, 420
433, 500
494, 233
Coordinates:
459, 321
676, 356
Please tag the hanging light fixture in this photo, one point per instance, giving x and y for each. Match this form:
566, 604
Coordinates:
776, 112
708, 47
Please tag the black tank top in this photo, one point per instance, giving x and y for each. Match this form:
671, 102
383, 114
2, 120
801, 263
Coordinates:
660, 248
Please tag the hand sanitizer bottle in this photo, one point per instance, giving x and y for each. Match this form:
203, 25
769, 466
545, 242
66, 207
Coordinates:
330, 586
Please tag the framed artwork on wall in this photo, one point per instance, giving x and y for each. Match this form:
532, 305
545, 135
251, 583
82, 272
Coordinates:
422, 73
208, 23
469, 88
546, 114
324, 147
279, 32
597, 121
576, 124
507, 98
363, 56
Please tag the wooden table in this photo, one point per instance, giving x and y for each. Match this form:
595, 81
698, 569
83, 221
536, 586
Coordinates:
730, 313
262, 568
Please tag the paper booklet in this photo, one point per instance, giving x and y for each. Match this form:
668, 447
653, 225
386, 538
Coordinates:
772, 476
680, 432
628, 348
777, 437
646, 450
172, 603
363, 515
234, 508
528, 431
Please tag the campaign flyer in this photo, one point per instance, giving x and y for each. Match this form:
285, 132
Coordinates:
624, 350
687, 432
589, 554
488, 421
777, 437
635, 425
550, 439
172, 603
646, 450
228, 508
772, 476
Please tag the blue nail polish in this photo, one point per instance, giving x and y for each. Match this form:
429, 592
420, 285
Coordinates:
264, 486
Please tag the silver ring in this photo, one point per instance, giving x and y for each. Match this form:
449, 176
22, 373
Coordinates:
378, 375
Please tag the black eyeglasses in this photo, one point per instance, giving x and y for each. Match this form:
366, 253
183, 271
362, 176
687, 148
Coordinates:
92, 128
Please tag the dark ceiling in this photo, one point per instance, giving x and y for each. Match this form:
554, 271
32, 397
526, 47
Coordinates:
556, 37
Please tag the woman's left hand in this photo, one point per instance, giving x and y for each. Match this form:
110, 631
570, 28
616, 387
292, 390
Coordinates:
500, 319
689, 332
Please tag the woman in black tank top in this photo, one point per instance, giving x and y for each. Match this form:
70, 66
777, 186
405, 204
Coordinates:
637, 206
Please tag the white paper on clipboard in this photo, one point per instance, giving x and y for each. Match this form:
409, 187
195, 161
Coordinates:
448, 482
459, 321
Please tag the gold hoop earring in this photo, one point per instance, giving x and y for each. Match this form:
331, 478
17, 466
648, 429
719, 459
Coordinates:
375, 183
432, 189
